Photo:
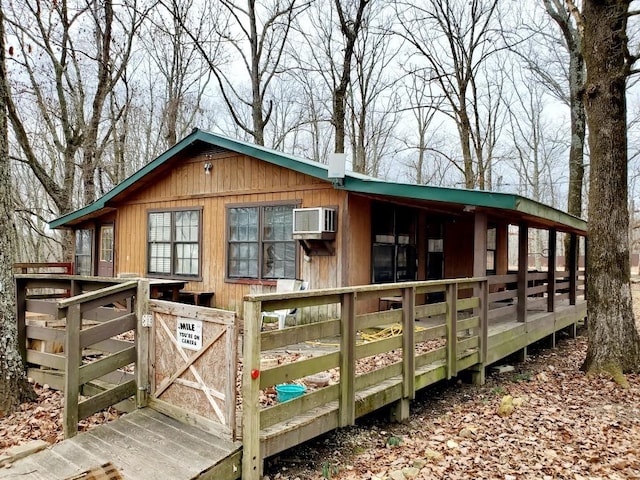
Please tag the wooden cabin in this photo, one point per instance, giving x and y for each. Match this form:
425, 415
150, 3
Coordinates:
224, 218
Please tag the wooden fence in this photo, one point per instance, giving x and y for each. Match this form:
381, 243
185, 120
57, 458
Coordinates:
64, 349
453, 339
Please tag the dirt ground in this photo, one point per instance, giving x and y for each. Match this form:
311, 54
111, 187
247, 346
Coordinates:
563, 425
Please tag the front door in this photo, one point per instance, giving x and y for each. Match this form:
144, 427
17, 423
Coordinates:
105, 251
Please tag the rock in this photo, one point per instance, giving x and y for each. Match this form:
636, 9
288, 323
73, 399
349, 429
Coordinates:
468, 432
432, 455
396, 475
503, 369
419, 463
410, 472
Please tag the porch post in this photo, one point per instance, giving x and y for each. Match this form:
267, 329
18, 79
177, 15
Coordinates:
143, 338
523, 267
21, 318
348, 360
252, 462
480, 244
482, 290
573, 267
551, 273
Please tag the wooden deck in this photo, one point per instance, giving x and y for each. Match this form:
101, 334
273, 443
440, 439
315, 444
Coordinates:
467, 330
141, 445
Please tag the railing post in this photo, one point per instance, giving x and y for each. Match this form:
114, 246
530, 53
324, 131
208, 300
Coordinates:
251, 456
551, 272
348, 360
523, 268
73, 358
478, 371
408, 343
401, 410
21, 319
143, 337
573, 268
452, 327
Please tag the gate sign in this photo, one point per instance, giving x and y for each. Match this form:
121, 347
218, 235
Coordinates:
189, 333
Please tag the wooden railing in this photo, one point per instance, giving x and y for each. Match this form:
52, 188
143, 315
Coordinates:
453, 338
504, 294
55, 339
64, 268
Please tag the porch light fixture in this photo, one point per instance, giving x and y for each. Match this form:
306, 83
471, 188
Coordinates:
207, 168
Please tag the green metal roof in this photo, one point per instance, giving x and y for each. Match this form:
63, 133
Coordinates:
353, 182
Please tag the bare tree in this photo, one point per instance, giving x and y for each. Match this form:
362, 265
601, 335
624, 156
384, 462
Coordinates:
351, 16
455, 38
567, 18
614, 344
372, 101
537, 144
257, 36
14, 387
427, 163
180, 76
61, 81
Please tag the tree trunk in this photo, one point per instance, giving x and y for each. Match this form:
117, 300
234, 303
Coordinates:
464, 130
14, 387
614, 346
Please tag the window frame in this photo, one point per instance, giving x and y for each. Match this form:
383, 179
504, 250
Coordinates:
89, 255
173, 242
492, 249
395, 239
260, 279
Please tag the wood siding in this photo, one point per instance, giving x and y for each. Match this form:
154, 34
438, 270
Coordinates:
233, 179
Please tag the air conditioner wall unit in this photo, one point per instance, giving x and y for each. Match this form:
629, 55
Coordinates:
314, 223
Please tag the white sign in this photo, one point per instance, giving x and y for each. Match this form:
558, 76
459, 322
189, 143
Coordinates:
189, 333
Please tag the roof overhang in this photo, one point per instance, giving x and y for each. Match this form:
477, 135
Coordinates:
513, 206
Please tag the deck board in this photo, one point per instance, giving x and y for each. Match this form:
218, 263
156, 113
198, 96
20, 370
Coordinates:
141, 445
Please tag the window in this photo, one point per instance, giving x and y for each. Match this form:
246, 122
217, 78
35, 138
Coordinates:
260, 242
394, 244
83, 260
491, 250
174, 243
106, 244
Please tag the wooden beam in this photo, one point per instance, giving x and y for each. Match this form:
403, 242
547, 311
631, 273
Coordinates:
251, 457
106, 399
143, 338
101, 367
408, 344
479, 244
551, 271
72, 369
523, 268
573, 268
107, 330
452, 334
348, 360
21, 303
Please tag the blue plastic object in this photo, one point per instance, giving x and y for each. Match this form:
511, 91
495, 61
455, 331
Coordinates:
289, 391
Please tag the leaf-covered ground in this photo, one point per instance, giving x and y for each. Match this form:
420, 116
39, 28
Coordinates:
563, 425
556, 424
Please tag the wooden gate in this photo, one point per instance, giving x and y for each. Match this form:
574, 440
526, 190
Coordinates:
193, 364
